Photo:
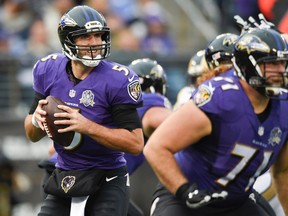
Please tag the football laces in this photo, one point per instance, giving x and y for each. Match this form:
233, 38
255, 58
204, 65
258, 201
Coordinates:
47, 129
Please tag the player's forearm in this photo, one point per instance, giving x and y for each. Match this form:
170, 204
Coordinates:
168, 172
33, 133
118, 139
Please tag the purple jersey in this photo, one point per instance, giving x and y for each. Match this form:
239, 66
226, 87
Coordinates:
149, 100
107, 85
228, 73
240, 147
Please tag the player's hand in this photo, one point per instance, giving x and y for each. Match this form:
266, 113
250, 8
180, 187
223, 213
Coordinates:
195, 198
38, 116
73, 119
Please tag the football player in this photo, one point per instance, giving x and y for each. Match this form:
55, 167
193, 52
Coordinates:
156, 108
264, 184
218, 57
208, 154
91, 175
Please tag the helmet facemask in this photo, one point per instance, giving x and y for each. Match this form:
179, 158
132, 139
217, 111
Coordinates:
72, 51
269, 83
274, 83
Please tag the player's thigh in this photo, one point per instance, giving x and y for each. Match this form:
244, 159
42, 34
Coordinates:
251, 208
55, 206
262, 203
111, 200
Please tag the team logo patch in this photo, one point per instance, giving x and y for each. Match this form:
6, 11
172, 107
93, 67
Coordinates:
203, 95
134, 90
67, 183
87, 98
275, 136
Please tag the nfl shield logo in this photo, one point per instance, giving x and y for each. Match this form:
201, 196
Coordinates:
72, 93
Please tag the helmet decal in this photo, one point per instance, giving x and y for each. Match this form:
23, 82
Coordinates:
67, 21
230, 39
252, 43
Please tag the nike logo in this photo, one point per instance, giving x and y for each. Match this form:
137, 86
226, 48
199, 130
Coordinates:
110, 179
130, 79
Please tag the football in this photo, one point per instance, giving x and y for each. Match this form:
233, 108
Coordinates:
51, 129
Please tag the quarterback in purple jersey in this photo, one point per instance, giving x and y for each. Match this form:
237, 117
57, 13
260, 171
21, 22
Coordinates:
208, 154
156, 107
93, 105
101, 100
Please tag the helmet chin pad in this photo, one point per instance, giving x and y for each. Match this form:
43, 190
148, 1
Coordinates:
272, 91
88, 61
276, 93
91, 63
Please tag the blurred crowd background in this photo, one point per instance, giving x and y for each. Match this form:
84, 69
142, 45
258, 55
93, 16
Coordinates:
169, 31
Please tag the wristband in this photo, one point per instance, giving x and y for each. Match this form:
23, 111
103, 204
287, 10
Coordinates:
34, 122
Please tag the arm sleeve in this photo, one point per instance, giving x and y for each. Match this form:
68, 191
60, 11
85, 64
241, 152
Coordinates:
37, 97
126, 117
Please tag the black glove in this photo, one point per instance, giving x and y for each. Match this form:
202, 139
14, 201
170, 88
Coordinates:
195, 198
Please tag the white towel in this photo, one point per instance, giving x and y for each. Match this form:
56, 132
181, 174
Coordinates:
78, 206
